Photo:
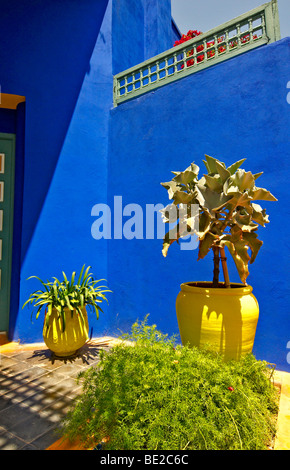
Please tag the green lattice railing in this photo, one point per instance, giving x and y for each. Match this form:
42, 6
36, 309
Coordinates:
248, 31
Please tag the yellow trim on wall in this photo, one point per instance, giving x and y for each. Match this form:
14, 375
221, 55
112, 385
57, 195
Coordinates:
10, 101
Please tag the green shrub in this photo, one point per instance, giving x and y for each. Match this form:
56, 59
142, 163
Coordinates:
163, 396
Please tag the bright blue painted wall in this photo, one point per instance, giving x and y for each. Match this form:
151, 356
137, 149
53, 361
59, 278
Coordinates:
234, 110
158, 27
58, 55
80, 152
141, 30
61, 56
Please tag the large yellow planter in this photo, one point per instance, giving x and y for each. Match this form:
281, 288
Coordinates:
225, 318
74, 337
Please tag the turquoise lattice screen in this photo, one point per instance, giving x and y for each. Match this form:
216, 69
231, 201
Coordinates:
253, 29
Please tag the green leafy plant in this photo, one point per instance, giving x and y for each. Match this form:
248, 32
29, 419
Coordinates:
69, 294
228, 214
151, 394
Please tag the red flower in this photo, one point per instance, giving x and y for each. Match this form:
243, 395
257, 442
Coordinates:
231, 389
193, 33
186, 37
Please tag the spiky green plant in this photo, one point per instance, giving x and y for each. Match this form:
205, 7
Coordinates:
228, 214
69, 294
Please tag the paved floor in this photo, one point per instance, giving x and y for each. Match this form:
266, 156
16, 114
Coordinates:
282, 441
36, 390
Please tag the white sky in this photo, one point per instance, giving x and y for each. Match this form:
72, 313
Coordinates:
206, 14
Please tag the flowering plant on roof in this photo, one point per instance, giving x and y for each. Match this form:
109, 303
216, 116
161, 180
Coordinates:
211, 44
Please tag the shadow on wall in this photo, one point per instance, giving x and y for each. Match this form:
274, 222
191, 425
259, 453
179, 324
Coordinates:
47, 53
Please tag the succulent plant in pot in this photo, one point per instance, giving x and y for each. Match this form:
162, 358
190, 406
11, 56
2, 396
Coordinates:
226, 215
64, 302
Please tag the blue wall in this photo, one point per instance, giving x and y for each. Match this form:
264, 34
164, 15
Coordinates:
61, 56
234, 110
79, 152
57, 55
141, 30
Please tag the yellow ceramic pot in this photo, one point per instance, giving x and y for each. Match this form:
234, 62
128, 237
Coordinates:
224, 318
66, 343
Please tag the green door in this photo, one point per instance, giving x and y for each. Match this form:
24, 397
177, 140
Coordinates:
7, 169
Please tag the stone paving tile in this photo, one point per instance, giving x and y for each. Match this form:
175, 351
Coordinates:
45, 440
29, 429
41, 400
13, 368
36, 391
17, 377
29, 447
16, 387
5, 402
13, 415
47, 380
10, 442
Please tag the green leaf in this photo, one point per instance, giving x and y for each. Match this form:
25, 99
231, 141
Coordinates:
81, 273
252, 240
210, 199
241, 264
68, 303
38, 311
48, 314
72, 279
233, 168
171, 187
167, 241
186, 176
244, 180
257, 175
81, 315
62, 313
177, 232
262, 194
43, 283
97, 311
204, 224
206, 244
223, 172
210, 164
214, 183
181, 197
85, 276
240, 199
259, 215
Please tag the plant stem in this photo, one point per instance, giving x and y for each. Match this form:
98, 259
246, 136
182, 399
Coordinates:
225, 267
216, 260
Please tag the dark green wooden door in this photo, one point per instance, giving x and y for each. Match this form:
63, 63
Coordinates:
7, 170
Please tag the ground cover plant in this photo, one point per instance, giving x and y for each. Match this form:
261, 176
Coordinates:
158, 395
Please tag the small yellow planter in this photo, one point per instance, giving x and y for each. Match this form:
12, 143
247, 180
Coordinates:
66, 343
224, 318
